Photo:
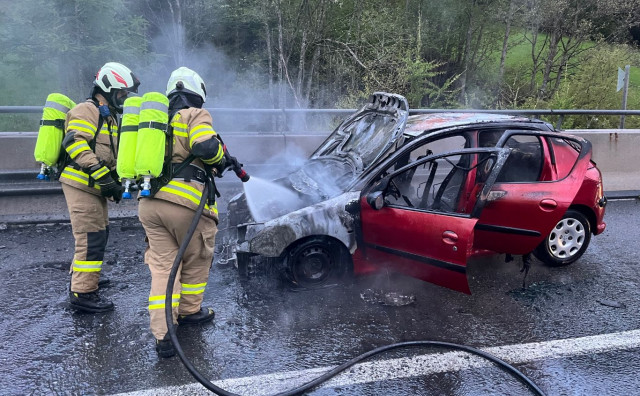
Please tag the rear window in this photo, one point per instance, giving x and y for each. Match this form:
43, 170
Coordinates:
566, 154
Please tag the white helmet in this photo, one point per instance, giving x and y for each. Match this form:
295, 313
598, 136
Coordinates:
115, 75
186, 80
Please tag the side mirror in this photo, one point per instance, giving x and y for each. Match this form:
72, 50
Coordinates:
375, 199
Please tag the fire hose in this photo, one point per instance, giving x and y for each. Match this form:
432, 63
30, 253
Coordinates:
331, 373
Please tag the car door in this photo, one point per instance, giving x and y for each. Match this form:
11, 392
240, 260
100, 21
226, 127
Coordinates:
523, 207
410, 222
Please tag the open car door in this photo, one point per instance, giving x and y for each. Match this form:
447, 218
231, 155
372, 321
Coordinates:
409, 220
526, 200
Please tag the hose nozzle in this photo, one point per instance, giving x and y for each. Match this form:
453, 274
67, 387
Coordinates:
234, 164
242, 174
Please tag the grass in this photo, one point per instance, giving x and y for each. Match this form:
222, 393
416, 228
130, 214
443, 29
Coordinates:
519, 55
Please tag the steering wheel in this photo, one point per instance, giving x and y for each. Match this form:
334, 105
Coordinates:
395, 191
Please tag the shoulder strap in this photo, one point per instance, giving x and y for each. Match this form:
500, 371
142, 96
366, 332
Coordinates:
167, 169
92, 143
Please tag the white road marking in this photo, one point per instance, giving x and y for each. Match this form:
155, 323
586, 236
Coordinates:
419, 365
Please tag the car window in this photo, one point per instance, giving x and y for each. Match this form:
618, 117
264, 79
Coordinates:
489, 138
436, 185
525, 161
449, 143
566, 155
438, 146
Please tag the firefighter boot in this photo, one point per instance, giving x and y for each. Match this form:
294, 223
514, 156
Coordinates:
89, 302
164, 347
203, 316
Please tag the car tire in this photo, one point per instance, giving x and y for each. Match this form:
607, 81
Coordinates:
567, 241
317, 262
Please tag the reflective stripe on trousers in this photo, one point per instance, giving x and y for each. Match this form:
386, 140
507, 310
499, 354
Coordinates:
158, 302
193, 289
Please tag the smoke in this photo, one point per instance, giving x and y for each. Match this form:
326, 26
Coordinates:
227, 86
230, 87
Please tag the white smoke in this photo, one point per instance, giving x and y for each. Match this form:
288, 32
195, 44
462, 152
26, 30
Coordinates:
227, 88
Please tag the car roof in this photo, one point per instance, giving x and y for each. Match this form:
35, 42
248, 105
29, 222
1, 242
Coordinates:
425, 123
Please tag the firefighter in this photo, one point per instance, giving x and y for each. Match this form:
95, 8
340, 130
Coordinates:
89, 179
167, 215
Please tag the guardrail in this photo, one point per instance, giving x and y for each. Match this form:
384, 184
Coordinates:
22, 199
284, 112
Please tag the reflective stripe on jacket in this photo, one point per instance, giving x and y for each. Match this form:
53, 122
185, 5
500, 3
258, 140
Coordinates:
82, 121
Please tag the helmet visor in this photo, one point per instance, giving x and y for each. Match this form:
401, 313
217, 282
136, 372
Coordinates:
136, 83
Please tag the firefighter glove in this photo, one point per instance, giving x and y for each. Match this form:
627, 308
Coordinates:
109, 188
236, 166
232, 162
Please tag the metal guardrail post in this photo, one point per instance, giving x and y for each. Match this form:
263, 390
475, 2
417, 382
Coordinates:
284, 119
559, 124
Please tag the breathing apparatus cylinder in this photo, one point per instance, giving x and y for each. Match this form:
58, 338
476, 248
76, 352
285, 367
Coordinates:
128, 141
150, 145
51, 132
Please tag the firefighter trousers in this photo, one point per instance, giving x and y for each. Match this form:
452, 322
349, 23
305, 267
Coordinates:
90, 227
166, 224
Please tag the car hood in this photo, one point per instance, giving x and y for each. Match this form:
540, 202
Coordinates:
356, 145
318, 180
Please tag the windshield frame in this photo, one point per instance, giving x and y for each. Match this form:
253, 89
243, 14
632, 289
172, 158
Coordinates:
334, 145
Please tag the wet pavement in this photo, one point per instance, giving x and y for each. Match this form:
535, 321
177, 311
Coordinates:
263, 328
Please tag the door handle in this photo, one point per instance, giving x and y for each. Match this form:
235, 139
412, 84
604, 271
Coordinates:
548, 204
450, 237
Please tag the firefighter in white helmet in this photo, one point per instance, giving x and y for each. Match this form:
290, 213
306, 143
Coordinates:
88, 179
166, 217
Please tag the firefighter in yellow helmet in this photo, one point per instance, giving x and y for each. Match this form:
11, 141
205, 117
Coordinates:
89, 179
166, 217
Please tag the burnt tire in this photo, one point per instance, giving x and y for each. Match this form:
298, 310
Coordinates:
567, 241
317, 262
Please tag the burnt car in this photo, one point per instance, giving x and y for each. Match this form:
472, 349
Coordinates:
420, 195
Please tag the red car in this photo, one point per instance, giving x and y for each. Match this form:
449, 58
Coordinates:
421, 194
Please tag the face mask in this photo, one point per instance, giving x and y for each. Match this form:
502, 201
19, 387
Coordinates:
120, 101
104, 110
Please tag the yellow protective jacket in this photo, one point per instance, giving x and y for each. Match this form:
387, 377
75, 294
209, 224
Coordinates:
192, 134
81, 126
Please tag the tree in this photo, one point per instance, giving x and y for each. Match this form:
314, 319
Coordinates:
565, 28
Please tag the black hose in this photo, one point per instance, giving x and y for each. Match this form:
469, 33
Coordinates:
331, 373
168, 300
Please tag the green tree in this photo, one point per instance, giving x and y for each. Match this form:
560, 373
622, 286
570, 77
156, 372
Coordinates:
593, 86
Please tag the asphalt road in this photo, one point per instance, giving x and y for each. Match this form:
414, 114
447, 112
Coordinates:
573, 330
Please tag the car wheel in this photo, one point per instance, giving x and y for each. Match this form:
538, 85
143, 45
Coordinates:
567, 241
317, 262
